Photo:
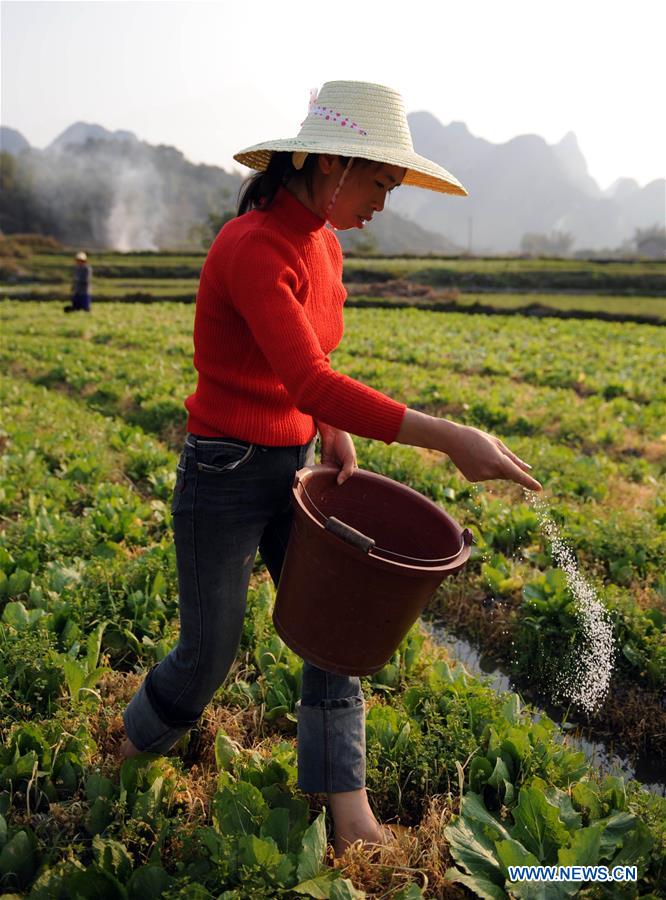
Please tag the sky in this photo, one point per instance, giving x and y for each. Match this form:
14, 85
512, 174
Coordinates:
211, 78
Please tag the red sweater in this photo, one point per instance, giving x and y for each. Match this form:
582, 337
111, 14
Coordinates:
268, 311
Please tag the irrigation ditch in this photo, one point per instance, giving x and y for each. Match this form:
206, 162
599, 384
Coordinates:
610, 755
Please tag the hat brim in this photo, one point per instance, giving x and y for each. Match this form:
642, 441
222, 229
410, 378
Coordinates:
421, 172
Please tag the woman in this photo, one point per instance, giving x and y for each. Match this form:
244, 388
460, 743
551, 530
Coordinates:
268, 311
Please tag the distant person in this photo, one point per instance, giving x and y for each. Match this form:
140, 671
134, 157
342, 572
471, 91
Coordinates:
81, 284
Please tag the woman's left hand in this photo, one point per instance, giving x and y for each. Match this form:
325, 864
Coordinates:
337, 449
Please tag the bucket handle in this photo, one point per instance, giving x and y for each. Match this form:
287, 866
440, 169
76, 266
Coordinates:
350, 535
363, 542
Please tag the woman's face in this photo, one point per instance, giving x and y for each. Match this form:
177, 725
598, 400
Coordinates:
362, 194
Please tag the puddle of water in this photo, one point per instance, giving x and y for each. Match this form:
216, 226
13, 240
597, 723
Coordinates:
649, 771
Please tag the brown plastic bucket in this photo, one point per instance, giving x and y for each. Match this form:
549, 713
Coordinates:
363, 560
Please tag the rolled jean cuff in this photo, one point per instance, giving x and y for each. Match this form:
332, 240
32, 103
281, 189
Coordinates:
145, 728
331, 746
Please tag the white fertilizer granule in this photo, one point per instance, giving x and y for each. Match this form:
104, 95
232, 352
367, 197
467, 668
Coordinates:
589, 668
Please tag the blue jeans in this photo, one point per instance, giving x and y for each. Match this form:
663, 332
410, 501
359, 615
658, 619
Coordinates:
230, 499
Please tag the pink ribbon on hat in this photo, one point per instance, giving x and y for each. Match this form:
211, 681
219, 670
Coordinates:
337, 118
298, 157
313, 99
329, 114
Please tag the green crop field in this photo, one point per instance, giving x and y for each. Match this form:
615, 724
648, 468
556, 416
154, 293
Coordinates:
92, 423
616, 290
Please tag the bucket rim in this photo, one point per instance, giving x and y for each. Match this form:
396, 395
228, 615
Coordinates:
454, 561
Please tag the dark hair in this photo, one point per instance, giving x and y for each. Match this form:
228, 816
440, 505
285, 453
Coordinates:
259, 190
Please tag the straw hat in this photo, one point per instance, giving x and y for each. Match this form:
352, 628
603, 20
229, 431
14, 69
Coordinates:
82, 256
357, 118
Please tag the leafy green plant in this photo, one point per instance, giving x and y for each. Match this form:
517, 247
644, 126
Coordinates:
18, 856
260, 843
147, 786
40, 764
499, 577
548, 630
278, 686
546, 829
82, 675
30, 676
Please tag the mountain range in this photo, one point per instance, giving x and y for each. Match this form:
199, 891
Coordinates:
100, 188
524, 186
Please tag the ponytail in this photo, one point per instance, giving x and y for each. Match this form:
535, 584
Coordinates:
259, 190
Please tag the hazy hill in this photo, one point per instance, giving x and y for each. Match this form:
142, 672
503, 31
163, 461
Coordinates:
524, 185
95, 187
12, 141
101, 188
80, 132
393, 234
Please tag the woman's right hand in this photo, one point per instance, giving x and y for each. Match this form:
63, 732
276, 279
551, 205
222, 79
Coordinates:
481, 456
478, 455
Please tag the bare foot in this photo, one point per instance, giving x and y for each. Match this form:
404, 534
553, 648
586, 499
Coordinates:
370, 835
127, 750
354, 820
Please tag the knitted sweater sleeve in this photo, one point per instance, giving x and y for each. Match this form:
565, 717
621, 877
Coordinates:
262, 279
